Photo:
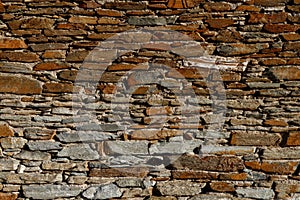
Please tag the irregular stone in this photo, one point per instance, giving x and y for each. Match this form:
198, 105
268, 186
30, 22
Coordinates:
217, 7
49, 66
226, 150
33, 155
120, 172
65, 166
257, 193
39, 134
279, 167
175, 4
258, 18
281, 153
126, 147
219, 23
15, 68
274, 122
50, 191
292, 46
8, 196
103, 192
255, 139
130, 182
286, 73
210, 163
43, 145
262, 85
192, 174
287, 187
6, 131
58, 87
77, 56
34, 178
239, 49
12, 142
280, 28
48, 46
293, 139
8, 43
83, 136
222, 187
125, 5
52, 33
186, 146
79, 151
234, 176
267, 3
245, 104
213, 196
83, 20
37, 23
179, 188
19, 85
154, 134
147, 21
247, 122
227, 36
8, 164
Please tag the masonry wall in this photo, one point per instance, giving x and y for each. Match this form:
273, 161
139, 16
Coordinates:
150, 124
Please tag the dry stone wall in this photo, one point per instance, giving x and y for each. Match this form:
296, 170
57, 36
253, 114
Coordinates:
150, 124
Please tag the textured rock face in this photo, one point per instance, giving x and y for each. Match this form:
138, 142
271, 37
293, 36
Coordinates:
208, 108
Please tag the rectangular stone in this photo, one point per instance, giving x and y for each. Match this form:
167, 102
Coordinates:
33, 155
250, 138
126, 147
186, 146
65, 166
226, 150
179, 188
281, 153
192, 174
50, 191
8, 164
120, 172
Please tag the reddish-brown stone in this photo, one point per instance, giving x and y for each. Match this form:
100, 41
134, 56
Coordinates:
58, 87
281, 28
278, 167
120, 172
109, 13
7, 43
8, 196
49, 66
234, 176
293, 139
259, 18
217, 7
125, 5
273, 62
5, 131
286, 73
222, 187
19, 85
189, 73
191, 174
177, 4
255, 165
248, 8
274, 122
83, 20
107, 89
19, 57
269, 3
255, 138
219, 23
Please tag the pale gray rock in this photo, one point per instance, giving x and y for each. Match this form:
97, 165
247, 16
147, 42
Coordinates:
79, 151
256, 193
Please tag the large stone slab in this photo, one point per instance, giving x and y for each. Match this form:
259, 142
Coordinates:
19, 85
79, 151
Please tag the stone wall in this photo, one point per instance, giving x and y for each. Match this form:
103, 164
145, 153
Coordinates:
203, 103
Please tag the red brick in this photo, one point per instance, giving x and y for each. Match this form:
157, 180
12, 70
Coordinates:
278, 167
58, 87
274, 122
12, 44
280, 28
19, 57
293, 139
49, 66
258, 18
119, 172
5, 131
8, 196
254, 138
19, 85
219, 23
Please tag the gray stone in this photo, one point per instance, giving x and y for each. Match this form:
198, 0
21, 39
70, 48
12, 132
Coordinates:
179, 188
175, 147
147, 21
8, 164
50, 119
221, 150
130, 182
33, 155
126, 147
245, 104
12, 142
84, 136
256, 193
260, 85
33, 178
43, 145
15, 68
213, 197
50, 191
103, 192
281, 153
100, 127
79, 151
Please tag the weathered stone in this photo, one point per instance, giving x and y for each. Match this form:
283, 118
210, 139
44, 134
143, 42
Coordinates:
8, 196
125, 5
247, 122
37, 23
120, 172
255, 138
257, 193
153, 134
279, 167
219, 23
174, 147
50, 66
270, 3
109, 13
126, 147
286, 73
79, 151
280, 28
267, 18
222, 187
274, 122
12, 142
8, 164
6, 131
19, 56
65, 166
31, 178
239, 49
83, 20
52, 33
77, 56
39, 134
83, 137
213, 163
33, 155
130, 182
245, 104
234, 176
213, 196
19, 85
103, 192
179, 188
147, 21
58, 87
293, 139
43, 145
8, 43
48, 46
217, 7
281, 153
50, 191
226, 150
192, 174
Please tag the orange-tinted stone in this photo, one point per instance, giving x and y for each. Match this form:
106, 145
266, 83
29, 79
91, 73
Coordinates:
5, 131
48, 66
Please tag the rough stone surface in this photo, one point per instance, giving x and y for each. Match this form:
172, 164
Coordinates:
103, 192
51, 191
257, 193
79, 151
19, 85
